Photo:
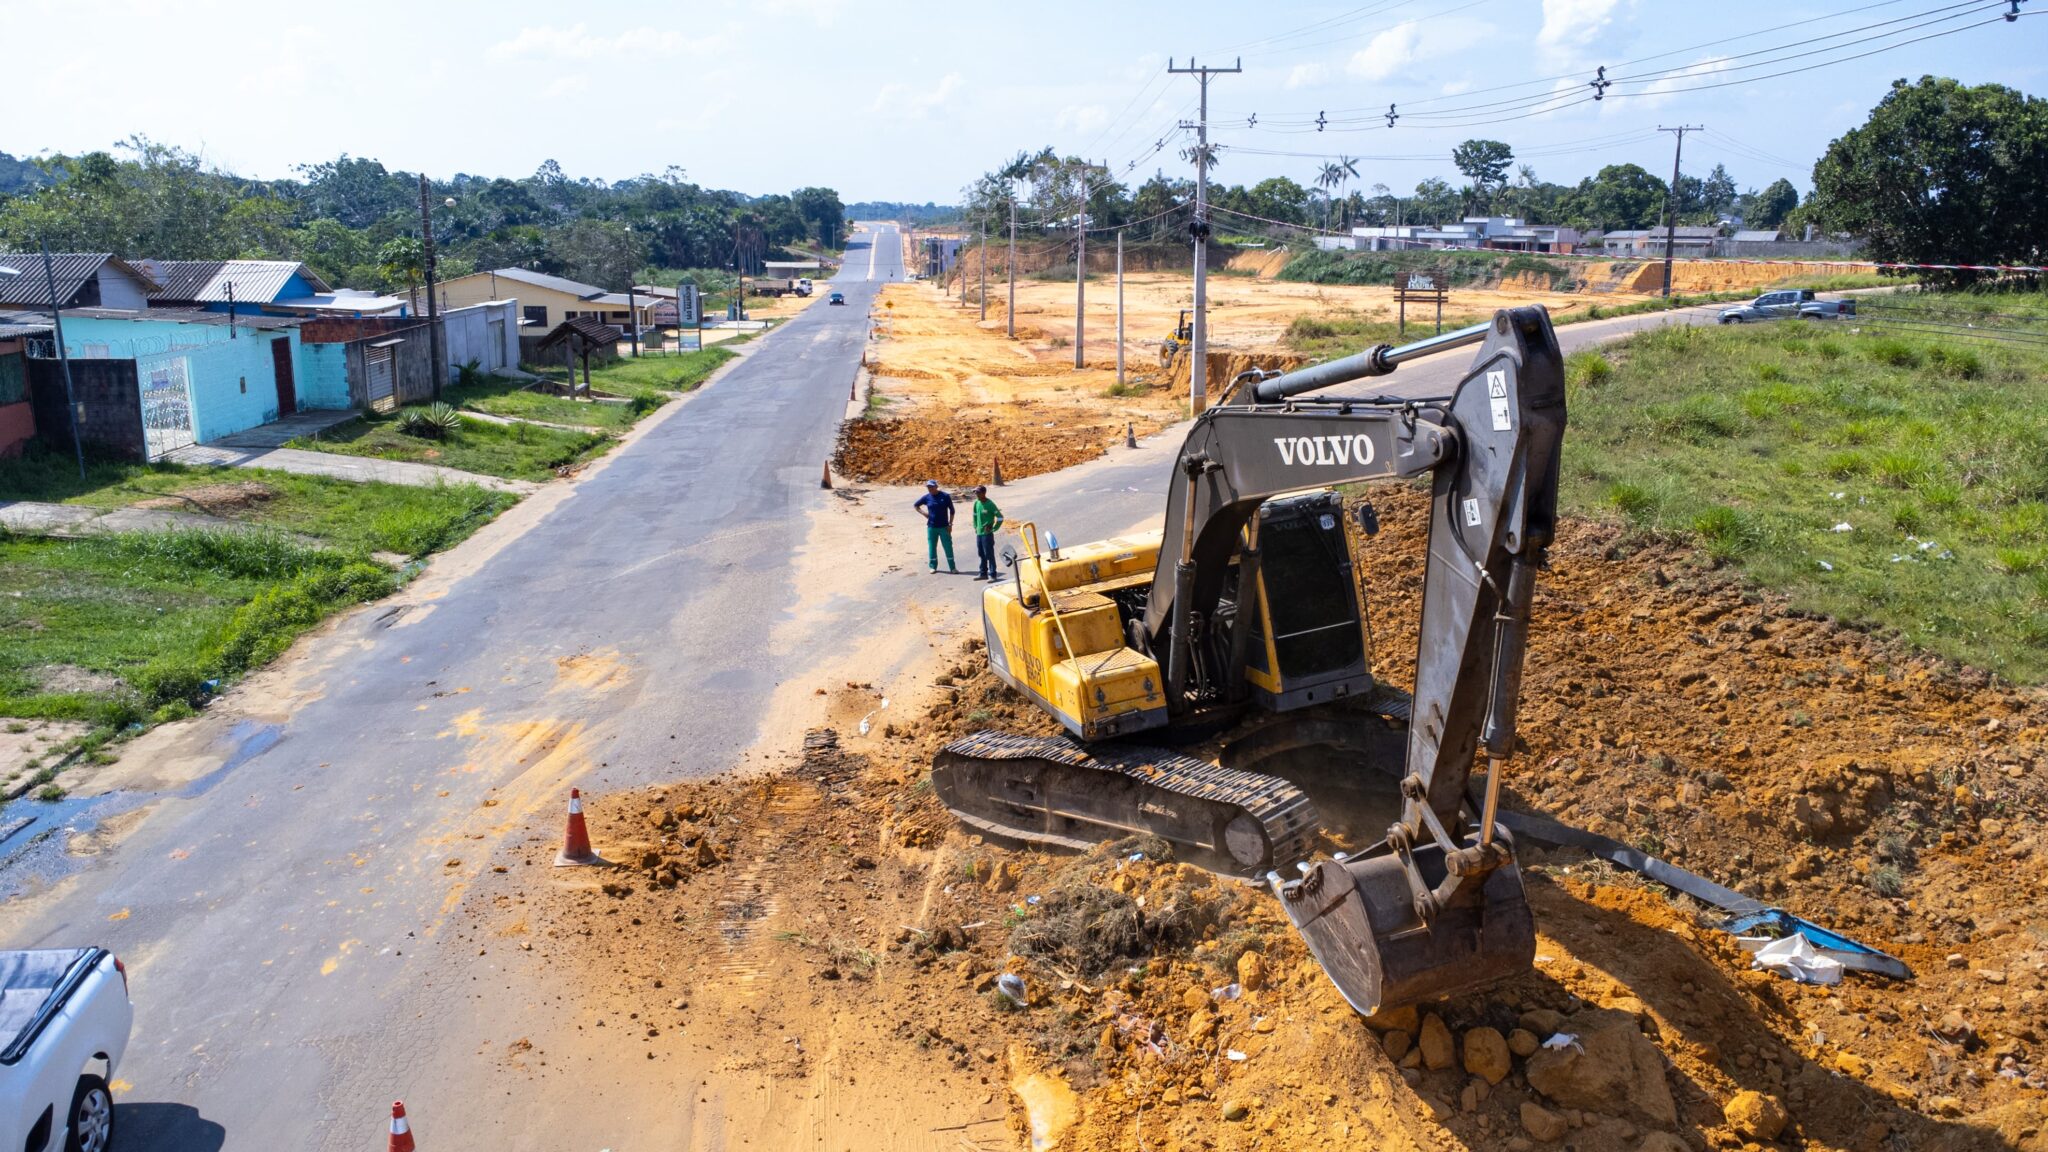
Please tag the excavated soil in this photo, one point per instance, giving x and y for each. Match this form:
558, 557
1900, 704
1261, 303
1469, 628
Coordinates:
962, 451
1884, 793
224, 499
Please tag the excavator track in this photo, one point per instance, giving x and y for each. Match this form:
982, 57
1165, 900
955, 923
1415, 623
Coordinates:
1049, 790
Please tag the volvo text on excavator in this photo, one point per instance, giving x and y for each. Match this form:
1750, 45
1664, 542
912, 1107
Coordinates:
1243, 610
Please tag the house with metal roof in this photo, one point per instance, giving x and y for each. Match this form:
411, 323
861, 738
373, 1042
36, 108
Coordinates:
545, 301
84, 280
259, 287
147, 382
1687, 240
17, 415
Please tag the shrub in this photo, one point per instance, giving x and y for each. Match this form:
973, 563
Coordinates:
1303, 329
1895, 353
1588, 369
1696, 419
1955, 363
434, 422
1724, 532
1632, 500
470, 373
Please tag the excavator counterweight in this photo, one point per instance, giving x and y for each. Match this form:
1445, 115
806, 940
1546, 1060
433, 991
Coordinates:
1246, 601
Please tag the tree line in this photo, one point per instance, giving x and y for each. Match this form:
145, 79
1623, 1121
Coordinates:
1941, 172
357, 223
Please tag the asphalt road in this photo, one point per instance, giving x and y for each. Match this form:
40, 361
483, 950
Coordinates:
285, 918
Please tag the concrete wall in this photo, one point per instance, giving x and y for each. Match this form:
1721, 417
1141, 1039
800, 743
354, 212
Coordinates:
233, 380
233, 383
107, 395
17, 415
323, 376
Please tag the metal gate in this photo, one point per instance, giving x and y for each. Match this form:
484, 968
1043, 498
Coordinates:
166, 405
383, 380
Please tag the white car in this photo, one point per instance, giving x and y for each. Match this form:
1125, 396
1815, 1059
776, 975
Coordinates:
64, 1022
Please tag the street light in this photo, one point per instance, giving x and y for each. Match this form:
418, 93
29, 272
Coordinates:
63, 358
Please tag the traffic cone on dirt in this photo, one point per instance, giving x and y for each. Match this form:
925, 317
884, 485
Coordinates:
1130, 436
576, 845
827, 481
401, 1132
996, 477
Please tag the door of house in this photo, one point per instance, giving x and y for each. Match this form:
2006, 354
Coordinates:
166, 406
281, 365
383, 380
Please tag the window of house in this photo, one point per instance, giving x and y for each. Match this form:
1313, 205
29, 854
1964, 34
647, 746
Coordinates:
536, 314
13, 379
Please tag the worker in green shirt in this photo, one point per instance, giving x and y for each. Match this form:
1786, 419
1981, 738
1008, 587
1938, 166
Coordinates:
987, 518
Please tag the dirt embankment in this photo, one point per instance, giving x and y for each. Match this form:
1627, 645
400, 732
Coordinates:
1895, 798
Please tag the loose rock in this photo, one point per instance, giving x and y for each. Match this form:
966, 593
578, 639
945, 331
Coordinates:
1615, 1070
1486, 1055
1756, 1116
1542, 1123
1439, 1051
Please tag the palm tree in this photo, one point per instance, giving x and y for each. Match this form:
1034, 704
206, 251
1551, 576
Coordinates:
1327, 178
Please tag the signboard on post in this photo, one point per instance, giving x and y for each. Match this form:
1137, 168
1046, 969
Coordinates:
1421, 288
689, 309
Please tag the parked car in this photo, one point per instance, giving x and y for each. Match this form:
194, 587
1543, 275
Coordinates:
64, 1022
1799, 302
836, 298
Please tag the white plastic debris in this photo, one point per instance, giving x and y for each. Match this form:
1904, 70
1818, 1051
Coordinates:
1562, 1040
1844, 526
1795, 958
1012, 985
1032, 900
1227, 992
864, 720
1233, 1054
1826, 567
1838, 495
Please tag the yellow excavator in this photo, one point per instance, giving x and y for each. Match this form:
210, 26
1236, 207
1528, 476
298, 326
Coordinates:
1243, 611
1183, 332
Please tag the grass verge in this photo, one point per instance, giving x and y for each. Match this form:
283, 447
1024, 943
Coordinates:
513, 451
652, 379
1880, 476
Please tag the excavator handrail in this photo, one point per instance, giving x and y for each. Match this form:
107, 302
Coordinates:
1379, 360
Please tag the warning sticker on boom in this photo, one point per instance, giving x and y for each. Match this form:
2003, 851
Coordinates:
1471, 512
1497, 395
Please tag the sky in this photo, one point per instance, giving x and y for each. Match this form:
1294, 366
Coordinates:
911, 101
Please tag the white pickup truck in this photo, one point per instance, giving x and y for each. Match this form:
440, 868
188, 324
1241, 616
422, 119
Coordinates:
64, 1021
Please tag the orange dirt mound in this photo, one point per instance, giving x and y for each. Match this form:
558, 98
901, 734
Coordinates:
958, 451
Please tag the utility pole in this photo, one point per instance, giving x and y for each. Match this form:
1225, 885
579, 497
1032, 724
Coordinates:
1119, 306
71, 406
984, 265
1198, 362
437, 370
1671, 199
1010, 317
1081, 271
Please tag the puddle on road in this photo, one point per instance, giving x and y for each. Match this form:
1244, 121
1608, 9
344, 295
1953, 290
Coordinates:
35, 835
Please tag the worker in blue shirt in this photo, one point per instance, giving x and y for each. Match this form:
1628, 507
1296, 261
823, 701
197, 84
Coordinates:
937, 509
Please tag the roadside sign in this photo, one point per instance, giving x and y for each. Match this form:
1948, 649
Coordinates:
1421, 288
689, 308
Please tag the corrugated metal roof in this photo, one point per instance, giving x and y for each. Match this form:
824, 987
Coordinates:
543, 280
71, 269
10, 331
1758, 235
187, 316
207, 281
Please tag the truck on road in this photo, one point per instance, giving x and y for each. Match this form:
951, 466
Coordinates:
64, 1023
772, 287
1800, 302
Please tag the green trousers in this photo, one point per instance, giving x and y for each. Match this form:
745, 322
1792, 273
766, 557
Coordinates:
934, 536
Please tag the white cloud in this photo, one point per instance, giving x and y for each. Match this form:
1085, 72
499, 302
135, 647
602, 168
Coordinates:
1308, 75
1457, 86
906, 102
1569, 24
1388, 53
1081, 118
578, 42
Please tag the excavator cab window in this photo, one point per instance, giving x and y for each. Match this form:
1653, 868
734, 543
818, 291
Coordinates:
1315, 625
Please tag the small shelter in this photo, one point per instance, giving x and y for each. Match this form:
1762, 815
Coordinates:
578, 338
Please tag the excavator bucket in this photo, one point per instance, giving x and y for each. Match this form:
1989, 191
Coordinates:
1359, 918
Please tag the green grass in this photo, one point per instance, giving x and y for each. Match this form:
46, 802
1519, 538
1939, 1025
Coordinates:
1754, 442
653, 377
513, 451
115, 630
352, 517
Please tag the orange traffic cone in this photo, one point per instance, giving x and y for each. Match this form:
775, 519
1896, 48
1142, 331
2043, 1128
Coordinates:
827, 481
401, 1132
996, 473
1130, 436
576, 845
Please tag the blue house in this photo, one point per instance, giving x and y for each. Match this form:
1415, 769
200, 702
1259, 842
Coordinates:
259, 288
